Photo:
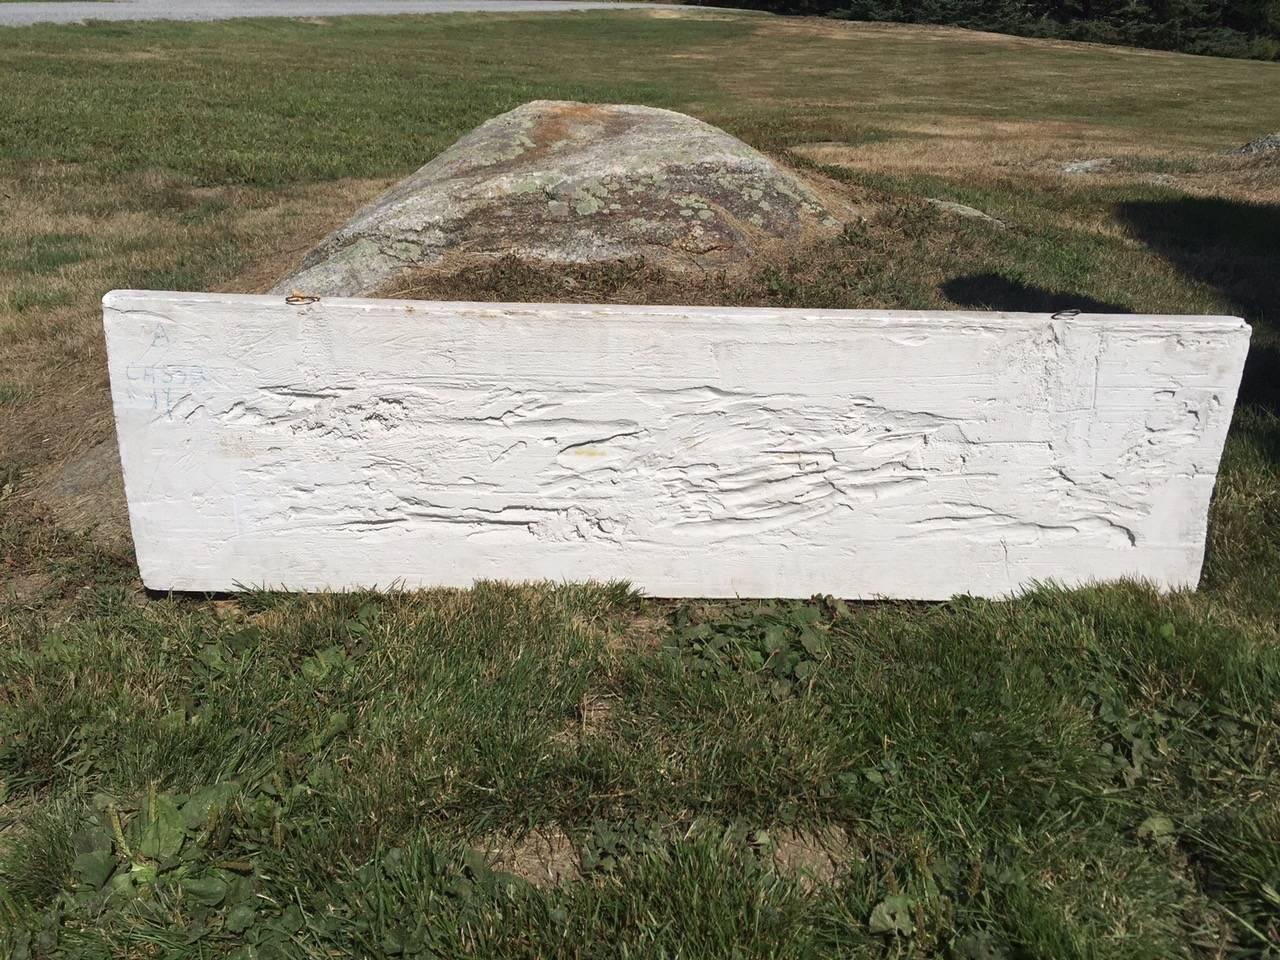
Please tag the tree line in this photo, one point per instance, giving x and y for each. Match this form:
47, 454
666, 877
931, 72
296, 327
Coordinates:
1230, 28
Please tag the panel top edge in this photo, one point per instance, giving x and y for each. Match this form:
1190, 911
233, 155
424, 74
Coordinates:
151, 300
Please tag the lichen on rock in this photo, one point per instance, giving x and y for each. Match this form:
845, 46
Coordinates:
559, 182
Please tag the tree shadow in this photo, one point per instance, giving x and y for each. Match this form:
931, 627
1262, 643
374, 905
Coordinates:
1228, 244
1234, 247
990, 291
1260, 384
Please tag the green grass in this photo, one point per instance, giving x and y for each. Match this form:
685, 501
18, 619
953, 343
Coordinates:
43, 253
275, 101
1069, 774
1086, 773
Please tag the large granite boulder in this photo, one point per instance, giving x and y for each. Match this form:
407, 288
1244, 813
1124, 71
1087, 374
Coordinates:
571, 183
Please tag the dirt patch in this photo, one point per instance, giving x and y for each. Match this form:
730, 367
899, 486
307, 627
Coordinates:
644, 631
548, 858
594, 713
812, 858
590, 720
26, 587
545, 858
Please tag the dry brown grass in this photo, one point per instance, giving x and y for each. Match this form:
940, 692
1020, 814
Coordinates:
963, 147
929, 36
298, 226
53, 348
1032, 154
641, 631
12, 813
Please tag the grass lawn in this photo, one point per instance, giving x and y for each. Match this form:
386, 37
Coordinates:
574, 769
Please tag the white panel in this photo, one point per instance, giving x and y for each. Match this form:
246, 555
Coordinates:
693, 451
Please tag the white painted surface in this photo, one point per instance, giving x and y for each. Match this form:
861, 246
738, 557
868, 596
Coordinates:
693, 451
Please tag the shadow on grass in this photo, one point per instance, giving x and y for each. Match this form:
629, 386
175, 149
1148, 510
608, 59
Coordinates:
990, 291
1260, 385
1235, 248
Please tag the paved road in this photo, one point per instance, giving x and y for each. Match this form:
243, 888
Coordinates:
76, 11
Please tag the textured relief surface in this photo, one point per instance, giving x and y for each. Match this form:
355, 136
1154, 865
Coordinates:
692, 451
